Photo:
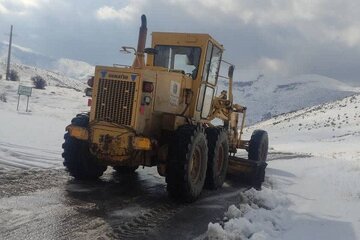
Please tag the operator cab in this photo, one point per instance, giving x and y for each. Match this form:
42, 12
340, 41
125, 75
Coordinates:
195, 55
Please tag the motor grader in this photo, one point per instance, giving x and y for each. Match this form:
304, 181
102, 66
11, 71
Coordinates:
162, 113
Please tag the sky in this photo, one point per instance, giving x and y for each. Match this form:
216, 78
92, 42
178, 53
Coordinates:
270, 37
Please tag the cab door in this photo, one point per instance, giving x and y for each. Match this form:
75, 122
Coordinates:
209, 80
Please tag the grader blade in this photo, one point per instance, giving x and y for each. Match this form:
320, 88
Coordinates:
248, 171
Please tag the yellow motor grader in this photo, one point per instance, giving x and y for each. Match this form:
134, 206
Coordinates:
161, 113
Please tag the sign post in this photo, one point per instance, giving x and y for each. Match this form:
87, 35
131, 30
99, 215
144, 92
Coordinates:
23, 90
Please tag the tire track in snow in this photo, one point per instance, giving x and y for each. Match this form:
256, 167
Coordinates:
13, 156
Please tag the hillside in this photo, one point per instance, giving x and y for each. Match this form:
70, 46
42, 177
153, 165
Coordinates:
267, 97
25, 73
320, 130
74, 69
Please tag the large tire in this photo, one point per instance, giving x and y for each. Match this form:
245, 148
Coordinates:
125, 169
258, 146
78, 160
187, 163
218, 157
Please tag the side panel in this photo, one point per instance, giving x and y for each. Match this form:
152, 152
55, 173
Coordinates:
169, 93
145, 107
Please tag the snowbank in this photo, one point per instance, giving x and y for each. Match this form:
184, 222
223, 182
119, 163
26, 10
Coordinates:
260, 215
309, 198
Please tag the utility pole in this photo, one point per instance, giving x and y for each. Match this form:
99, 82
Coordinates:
9, 55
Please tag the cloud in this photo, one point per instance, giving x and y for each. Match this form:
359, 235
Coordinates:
124, 14
20, 7
3, 9
24, 49
349, 35
272, 65
277, 36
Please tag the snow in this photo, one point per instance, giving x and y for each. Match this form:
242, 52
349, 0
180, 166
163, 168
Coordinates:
33, 139
314, 192
329, 130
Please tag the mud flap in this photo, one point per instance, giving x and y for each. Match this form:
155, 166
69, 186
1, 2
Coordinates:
249, 172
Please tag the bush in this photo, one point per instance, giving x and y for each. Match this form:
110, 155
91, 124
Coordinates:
39, 82
13, 75
3, 97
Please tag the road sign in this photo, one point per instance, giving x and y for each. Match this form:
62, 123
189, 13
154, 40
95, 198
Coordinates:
23, 90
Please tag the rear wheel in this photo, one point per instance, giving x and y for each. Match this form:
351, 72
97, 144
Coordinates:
78, 160
187, 163
125, 169
218, 160
258, 146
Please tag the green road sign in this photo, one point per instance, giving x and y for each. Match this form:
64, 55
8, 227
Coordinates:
23, 90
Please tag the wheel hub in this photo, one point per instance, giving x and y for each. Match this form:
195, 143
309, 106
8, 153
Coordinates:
195, 164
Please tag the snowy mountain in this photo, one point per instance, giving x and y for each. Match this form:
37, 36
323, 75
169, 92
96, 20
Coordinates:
320, 130
267, 97
75, 69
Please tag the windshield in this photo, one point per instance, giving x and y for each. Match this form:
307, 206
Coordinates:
185, 59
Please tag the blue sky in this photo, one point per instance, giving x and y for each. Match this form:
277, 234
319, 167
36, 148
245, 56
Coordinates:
272, 37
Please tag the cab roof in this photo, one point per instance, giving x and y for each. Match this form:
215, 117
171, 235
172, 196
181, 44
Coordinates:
183, 39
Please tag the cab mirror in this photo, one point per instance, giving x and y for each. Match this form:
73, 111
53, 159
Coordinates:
88, 92
231, 71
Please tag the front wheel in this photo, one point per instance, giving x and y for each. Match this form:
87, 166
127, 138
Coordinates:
258, 146
78, 160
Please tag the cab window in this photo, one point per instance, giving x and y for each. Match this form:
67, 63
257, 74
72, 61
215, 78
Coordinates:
209, 79
212, 64
178, 58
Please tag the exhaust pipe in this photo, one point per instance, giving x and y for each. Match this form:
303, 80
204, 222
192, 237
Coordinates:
139, 61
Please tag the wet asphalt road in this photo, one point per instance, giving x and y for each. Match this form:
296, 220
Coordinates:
48, 204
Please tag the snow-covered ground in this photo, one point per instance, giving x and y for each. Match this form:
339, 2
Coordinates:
313, 195
34, 138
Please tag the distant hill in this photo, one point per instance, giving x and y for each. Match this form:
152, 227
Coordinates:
75, 69
268, 97
52, 78
331, 129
